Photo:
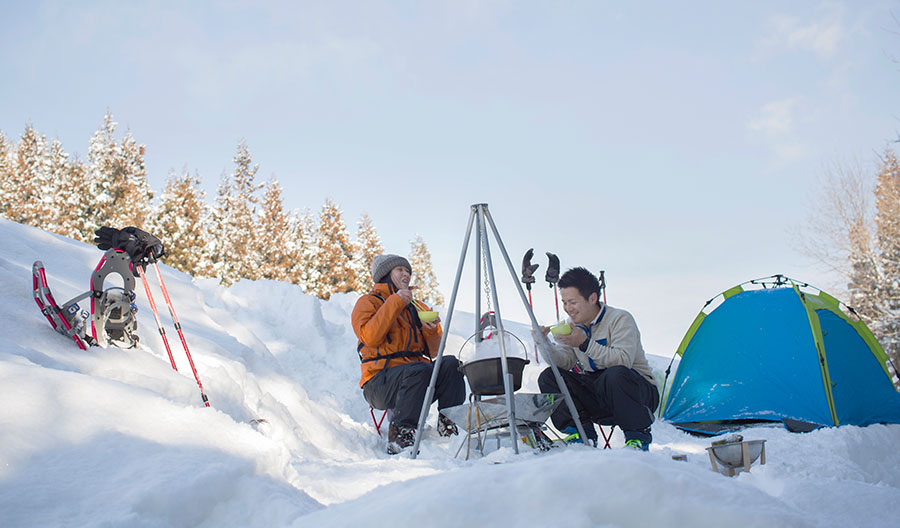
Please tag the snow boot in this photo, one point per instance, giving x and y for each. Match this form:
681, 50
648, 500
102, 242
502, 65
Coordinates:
572, 436
637, 445
399, 438
638, 439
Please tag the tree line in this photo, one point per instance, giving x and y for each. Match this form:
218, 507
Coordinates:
247, 233
854, 229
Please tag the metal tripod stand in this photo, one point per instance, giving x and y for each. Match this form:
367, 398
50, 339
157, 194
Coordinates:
481, 218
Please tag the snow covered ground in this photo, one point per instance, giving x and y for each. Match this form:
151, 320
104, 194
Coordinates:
112, 437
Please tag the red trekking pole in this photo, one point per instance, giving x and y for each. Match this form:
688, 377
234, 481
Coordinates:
159, 326
143, 249
552, 277
162, 286
162, 331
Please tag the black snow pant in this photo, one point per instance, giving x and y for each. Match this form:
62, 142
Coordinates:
402, 388
613, 396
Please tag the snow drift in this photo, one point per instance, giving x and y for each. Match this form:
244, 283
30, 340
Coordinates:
112, 437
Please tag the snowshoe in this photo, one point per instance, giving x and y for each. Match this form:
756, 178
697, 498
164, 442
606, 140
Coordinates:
113, 310
112, 315
71, 322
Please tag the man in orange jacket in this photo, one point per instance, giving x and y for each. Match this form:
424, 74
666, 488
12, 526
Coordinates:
396, 348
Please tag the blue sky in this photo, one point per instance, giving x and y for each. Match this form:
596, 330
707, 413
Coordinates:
674, 145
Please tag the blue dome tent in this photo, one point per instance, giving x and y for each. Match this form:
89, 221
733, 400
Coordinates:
779, 350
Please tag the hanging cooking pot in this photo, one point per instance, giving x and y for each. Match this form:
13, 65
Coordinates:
485, 372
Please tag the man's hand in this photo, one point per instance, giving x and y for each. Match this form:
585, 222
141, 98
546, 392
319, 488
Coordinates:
575, 339
432, 326
537, 337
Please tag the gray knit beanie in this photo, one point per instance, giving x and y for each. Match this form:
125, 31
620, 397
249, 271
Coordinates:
383, 264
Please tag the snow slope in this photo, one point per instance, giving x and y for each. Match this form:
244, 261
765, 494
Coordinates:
112, 437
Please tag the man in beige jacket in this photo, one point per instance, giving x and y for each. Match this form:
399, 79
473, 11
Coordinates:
602, 363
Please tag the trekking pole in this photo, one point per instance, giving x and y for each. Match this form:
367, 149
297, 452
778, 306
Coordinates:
603, 284
552, 277
528, 279
528, 273
162, 286
159, 326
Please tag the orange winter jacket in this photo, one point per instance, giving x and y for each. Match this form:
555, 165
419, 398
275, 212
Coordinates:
388, 328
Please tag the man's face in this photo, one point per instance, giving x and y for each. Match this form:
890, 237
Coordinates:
400, 277
582, 311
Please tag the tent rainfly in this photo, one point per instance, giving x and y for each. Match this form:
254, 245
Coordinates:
779, 350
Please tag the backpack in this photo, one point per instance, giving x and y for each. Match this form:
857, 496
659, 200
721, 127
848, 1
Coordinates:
402, 353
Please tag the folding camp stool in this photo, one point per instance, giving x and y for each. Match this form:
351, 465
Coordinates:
606, 437
378, 421
607, 421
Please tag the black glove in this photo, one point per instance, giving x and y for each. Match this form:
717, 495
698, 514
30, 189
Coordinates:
106, 237
552, 269
141, 246
528, 268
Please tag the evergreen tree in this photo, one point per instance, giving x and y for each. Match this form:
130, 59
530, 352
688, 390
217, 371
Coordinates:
7, 174
866, 250
863, 272
368, 246
76, 202
423, 278
118, 179
887, 236
26, 191
180, 222
101, 160
220, 248
304, 254
235, 251
334, 254
274, 235
59, 189
132, 194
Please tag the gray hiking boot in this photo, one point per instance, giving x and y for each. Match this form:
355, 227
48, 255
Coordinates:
399, 438
445, 426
